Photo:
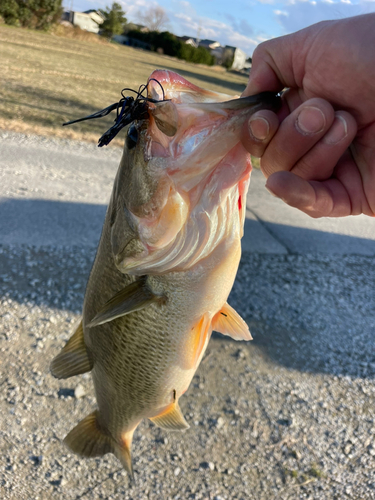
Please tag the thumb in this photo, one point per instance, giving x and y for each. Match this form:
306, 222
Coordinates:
275, 64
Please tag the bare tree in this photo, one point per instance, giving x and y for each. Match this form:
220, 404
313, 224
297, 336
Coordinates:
154, 18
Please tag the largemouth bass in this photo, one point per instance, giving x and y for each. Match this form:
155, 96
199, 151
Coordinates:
165, 265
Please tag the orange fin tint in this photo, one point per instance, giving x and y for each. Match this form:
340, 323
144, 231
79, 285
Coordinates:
123, 452
243, 186
196, 342
171, 419
228, 322
89, 440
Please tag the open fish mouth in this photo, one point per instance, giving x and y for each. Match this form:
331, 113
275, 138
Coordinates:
184, 173
162, 87
187, 122
189, 144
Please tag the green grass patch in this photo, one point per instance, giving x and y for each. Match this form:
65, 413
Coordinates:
47, 79
315, 471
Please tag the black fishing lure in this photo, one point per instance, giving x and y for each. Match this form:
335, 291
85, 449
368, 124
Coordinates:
127, 109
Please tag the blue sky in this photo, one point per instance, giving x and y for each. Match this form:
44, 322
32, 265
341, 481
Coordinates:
239, 23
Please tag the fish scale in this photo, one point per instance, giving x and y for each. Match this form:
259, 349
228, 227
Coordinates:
165, 265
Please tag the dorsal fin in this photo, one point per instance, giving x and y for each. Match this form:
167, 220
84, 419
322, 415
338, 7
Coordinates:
73, 358
228, 322
89, 440
132, 298
171, 419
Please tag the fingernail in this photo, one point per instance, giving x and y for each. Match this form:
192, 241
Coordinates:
310, 121
259, 128
337, 132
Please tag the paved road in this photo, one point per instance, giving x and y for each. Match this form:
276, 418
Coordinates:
289, 415
54, 192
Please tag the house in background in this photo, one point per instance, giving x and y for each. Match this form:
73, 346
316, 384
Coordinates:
90, 20
135, 27
131, 42
189, 40
231, 57
125, 39
238, 55
209, 44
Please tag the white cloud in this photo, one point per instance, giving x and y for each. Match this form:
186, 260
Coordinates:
240, 25
214, 30
303, 13
132, 7
292, 15
186, 21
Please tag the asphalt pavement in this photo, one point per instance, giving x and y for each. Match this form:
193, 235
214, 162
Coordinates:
52, 192
289, 415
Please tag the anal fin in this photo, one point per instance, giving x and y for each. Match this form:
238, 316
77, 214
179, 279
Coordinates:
87, 439
228, 322
171, 419
73, 358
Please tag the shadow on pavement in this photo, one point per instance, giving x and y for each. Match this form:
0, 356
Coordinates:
45, 222
305, 313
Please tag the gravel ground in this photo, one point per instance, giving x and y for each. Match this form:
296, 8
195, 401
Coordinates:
287, 416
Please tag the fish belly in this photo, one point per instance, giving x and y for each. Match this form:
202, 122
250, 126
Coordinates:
147, 359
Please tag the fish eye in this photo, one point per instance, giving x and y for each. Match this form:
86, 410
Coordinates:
132, 137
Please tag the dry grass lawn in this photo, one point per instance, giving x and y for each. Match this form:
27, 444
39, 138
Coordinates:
46, 80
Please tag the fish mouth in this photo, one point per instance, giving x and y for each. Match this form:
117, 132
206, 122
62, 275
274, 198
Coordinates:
164, 86
192, 128
182, 114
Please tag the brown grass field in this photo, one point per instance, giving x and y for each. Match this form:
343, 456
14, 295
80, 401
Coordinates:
46, 80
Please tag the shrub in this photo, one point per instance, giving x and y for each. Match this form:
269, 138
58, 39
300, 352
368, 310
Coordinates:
171, 46
38, 14
114, 20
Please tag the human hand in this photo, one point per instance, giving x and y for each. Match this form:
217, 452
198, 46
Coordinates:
318, 152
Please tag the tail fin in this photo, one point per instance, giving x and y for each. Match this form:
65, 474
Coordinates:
89, 440
123, 453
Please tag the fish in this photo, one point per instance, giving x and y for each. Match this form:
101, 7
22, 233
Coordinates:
165, 264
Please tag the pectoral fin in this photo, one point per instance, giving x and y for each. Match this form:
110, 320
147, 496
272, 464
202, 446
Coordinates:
132, 298
196, 342
89, 440
228, 322
171, 419
73, 358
